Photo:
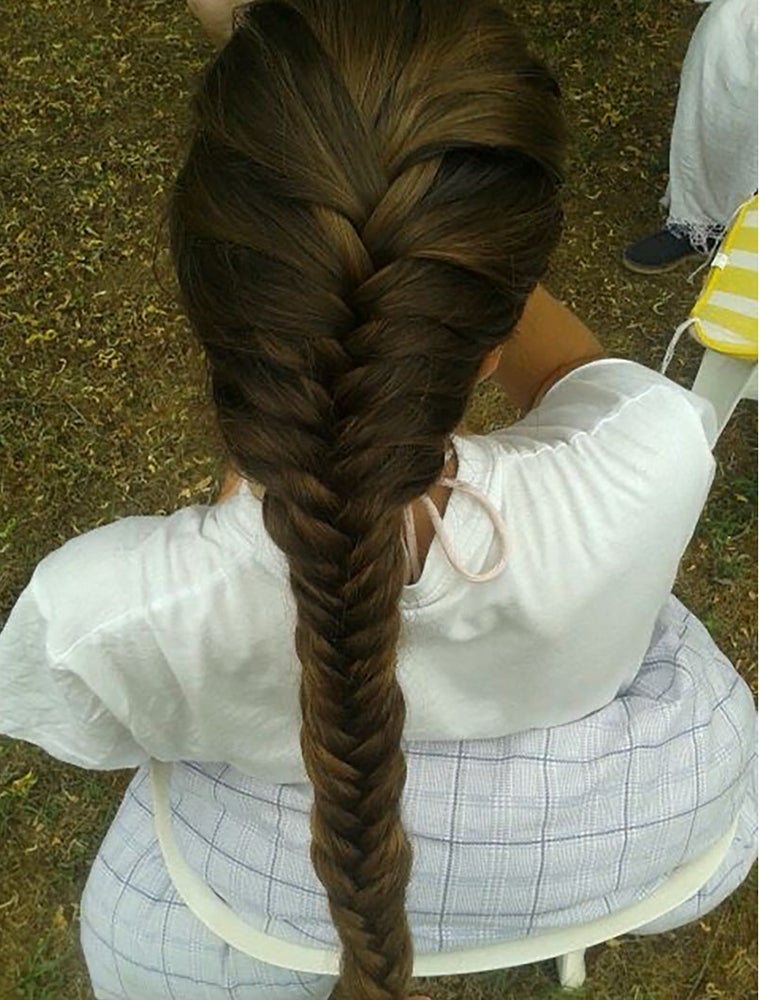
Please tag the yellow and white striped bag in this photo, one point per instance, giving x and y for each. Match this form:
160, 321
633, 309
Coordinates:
724, 317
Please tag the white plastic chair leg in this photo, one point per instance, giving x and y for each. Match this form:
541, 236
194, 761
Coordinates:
571, 969
724, 381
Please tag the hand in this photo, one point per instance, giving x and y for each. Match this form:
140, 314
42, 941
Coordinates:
216, 18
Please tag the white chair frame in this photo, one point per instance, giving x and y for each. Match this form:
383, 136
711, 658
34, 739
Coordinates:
567, 945
725, 380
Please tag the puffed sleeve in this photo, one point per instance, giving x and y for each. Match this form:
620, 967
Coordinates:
636, 448
43, 703
602, 388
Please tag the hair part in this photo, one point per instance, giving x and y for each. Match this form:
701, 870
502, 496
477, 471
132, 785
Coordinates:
370, 194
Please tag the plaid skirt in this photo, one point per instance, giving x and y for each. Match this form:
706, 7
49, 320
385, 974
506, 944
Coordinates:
511, 836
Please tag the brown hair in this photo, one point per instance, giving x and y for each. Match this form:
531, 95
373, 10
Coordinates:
370, 194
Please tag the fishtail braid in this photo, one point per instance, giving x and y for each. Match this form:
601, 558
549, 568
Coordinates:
369, 197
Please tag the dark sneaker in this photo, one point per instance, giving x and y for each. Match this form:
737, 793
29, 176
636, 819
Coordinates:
661, 252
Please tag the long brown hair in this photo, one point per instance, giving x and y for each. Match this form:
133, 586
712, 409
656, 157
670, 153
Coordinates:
370, 194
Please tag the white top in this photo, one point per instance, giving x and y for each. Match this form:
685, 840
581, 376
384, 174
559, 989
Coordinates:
172, 636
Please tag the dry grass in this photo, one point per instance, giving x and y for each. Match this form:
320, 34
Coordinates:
101, 411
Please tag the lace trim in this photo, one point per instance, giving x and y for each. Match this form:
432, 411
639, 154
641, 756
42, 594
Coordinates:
703, 236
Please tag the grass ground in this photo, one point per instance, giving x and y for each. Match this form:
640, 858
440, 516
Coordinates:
101, 411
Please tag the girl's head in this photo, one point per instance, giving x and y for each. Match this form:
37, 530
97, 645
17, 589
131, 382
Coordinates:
370, 195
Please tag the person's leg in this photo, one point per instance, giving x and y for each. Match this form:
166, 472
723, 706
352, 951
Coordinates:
140, 942
729, 876
143, 944
215, 17
713, 149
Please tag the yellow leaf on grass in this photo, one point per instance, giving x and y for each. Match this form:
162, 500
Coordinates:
22, 786
59, 921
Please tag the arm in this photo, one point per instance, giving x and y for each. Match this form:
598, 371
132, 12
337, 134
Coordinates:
547, 343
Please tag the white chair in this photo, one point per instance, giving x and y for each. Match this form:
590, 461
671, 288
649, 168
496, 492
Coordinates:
566, 946
725, 381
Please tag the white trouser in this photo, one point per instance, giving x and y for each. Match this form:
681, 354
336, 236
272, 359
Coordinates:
713, 147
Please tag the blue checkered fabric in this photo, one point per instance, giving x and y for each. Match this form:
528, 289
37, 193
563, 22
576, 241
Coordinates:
542, 829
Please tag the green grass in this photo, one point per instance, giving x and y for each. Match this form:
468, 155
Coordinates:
44, 975
730, 519
102, 412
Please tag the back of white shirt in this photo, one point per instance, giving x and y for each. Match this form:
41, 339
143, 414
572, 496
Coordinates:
173, 636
